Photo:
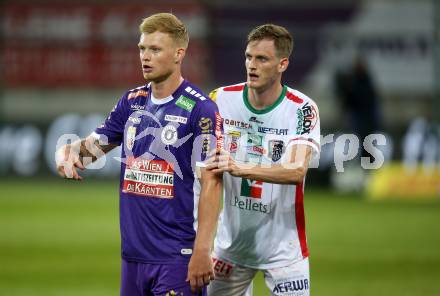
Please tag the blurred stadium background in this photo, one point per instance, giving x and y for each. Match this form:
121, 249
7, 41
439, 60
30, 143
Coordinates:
64, 64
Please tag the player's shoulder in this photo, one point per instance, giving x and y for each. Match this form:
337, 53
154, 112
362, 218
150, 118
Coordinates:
298, 98
195, 94
194, 99
228, 90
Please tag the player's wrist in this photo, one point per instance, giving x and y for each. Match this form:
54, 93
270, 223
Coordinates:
202, 250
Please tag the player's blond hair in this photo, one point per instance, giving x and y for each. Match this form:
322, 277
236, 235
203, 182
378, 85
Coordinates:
281, 37
166, 23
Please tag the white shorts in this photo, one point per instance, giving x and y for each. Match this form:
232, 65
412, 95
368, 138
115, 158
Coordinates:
236, 280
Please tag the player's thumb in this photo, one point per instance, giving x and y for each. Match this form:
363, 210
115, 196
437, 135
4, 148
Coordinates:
79, 165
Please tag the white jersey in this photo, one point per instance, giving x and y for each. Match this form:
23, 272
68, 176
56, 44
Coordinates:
262, 224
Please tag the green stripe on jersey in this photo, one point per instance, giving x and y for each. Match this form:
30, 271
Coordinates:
265, 110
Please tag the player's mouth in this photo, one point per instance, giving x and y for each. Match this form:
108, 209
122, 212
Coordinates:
146, 69
253, 77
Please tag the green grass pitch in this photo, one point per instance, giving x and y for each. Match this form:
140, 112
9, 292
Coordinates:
62, 238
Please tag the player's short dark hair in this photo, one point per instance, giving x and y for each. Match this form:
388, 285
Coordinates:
166, 23
281, 37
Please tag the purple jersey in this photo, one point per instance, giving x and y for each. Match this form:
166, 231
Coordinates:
158, 188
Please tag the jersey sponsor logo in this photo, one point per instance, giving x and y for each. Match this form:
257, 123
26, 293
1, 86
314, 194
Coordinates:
255, 150
271, 130
295, 287
251, 188
237, 123
307, 119
137, 107
254, 119
255, 140
175, 118
218, 131
250, 199
205, 124
233, 141
276, 149
135, 120
153, 178
250, 204
185, 103
186, 251
193, 92
137, 94
169, 135
174, 293
131, 136
222, 269
206, 143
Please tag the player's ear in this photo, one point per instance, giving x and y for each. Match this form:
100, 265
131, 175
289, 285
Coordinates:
282, 66
180, 54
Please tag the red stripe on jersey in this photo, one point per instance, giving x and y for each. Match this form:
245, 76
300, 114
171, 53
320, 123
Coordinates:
294, 98
300, 219
239, 87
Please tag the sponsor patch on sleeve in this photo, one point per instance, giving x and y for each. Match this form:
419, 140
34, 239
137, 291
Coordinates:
307, 119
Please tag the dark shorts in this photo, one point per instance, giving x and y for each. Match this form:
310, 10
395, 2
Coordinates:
140, 279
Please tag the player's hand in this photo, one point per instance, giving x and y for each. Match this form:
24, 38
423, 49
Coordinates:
67, 160
200, 270
220, 160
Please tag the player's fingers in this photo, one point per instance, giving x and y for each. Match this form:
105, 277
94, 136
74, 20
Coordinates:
206, 279
79, 165
221, 170
200, 283
193, 284
224, 163
68, 171
210, 160
213, 152
223, 152
211, 166
60, 170
217, 171
75, 174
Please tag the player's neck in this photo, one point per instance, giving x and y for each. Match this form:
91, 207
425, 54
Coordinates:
263, 98
167, 87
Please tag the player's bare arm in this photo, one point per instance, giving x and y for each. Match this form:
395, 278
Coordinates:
292, 171
78, 155
200, 269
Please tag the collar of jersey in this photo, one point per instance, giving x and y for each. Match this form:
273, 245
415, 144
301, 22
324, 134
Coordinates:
267, 109
167, 99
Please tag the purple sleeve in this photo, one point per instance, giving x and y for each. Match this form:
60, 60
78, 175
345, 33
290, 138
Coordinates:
114, 125
207, 128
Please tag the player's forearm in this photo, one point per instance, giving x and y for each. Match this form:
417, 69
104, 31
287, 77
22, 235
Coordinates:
89, 149
276, 173
208, 211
